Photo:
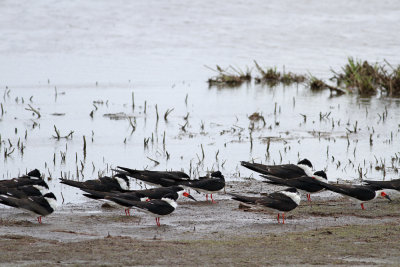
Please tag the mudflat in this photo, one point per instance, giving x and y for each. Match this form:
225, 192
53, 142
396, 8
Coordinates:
329, 230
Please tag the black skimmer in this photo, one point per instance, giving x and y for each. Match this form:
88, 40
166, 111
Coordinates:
207, 185
32, 178
393, 184
138, 195
24, 191
39, 205
282, 201
361, 193
156, 178
155, 207
118, 182
287, 171
303, 183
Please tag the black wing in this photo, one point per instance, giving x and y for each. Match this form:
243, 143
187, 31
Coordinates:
283, 171
37, 205
393, 184
277, 201
209, 184
156, 206
305, 183
244, 199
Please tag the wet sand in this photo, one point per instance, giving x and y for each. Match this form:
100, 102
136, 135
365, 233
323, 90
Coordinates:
329, 230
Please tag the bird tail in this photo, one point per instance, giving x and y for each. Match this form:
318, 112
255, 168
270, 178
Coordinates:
127, 171
244, 199
273, 180
72, 183
255, 167
8, 201
95, 194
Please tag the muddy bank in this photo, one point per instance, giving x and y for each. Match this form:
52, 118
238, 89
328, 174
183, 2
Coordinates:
329, 230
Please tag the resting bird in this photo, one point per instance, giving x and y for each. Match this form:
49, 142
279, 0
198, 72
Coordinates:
361, 193
138, 195
40, 205
32, 178
155, 207
282, 201
287, 171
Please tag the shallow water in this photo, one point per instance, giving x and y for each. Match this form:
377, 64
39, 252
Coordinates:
103, 51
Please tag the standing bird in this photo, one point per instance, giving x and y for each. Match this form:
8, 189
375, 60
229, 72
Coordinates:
40, 205
155, 207
309, 184
138, 195
207, 185
282, 201
361, 193
118, 182
156, 178
287, 171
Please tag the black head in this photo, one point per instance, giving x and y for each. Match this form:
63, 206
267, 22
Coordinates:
50, 195
217, 174
123, 177
321, 174
305, 162
172, 196
291, 190
34, 173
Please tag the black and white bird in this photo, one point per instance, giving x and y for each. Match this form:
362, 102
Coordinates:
32, 178
287, 171
282, 201
155, 207
138, 195
207, 185
308, 184
39, 205
24, 191
361, 193
118, 182
156, 178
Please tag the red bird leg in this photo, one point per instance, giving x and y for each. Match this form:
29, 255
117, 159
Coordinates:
278, 217
129, 212
39, 219
362, 206
206, 197
308, 197
283, 218
212, 200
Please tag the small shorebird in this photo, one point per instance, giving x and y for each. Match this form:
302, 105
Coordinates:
282, 201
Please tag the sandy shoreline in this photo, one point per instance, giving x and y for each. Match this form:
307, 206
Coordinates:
195, 226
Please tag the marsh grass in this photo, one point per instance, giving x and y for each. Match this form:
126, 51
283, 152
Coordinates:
229, 77
369, 79
272, 77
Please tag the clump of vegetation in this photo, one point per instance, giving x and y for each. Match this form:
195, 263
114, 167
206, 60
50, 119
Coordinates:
230, 77
272, 77
367, 79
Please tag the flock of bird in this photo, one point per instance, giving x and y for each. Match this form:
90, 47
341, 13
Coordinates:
30, 192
